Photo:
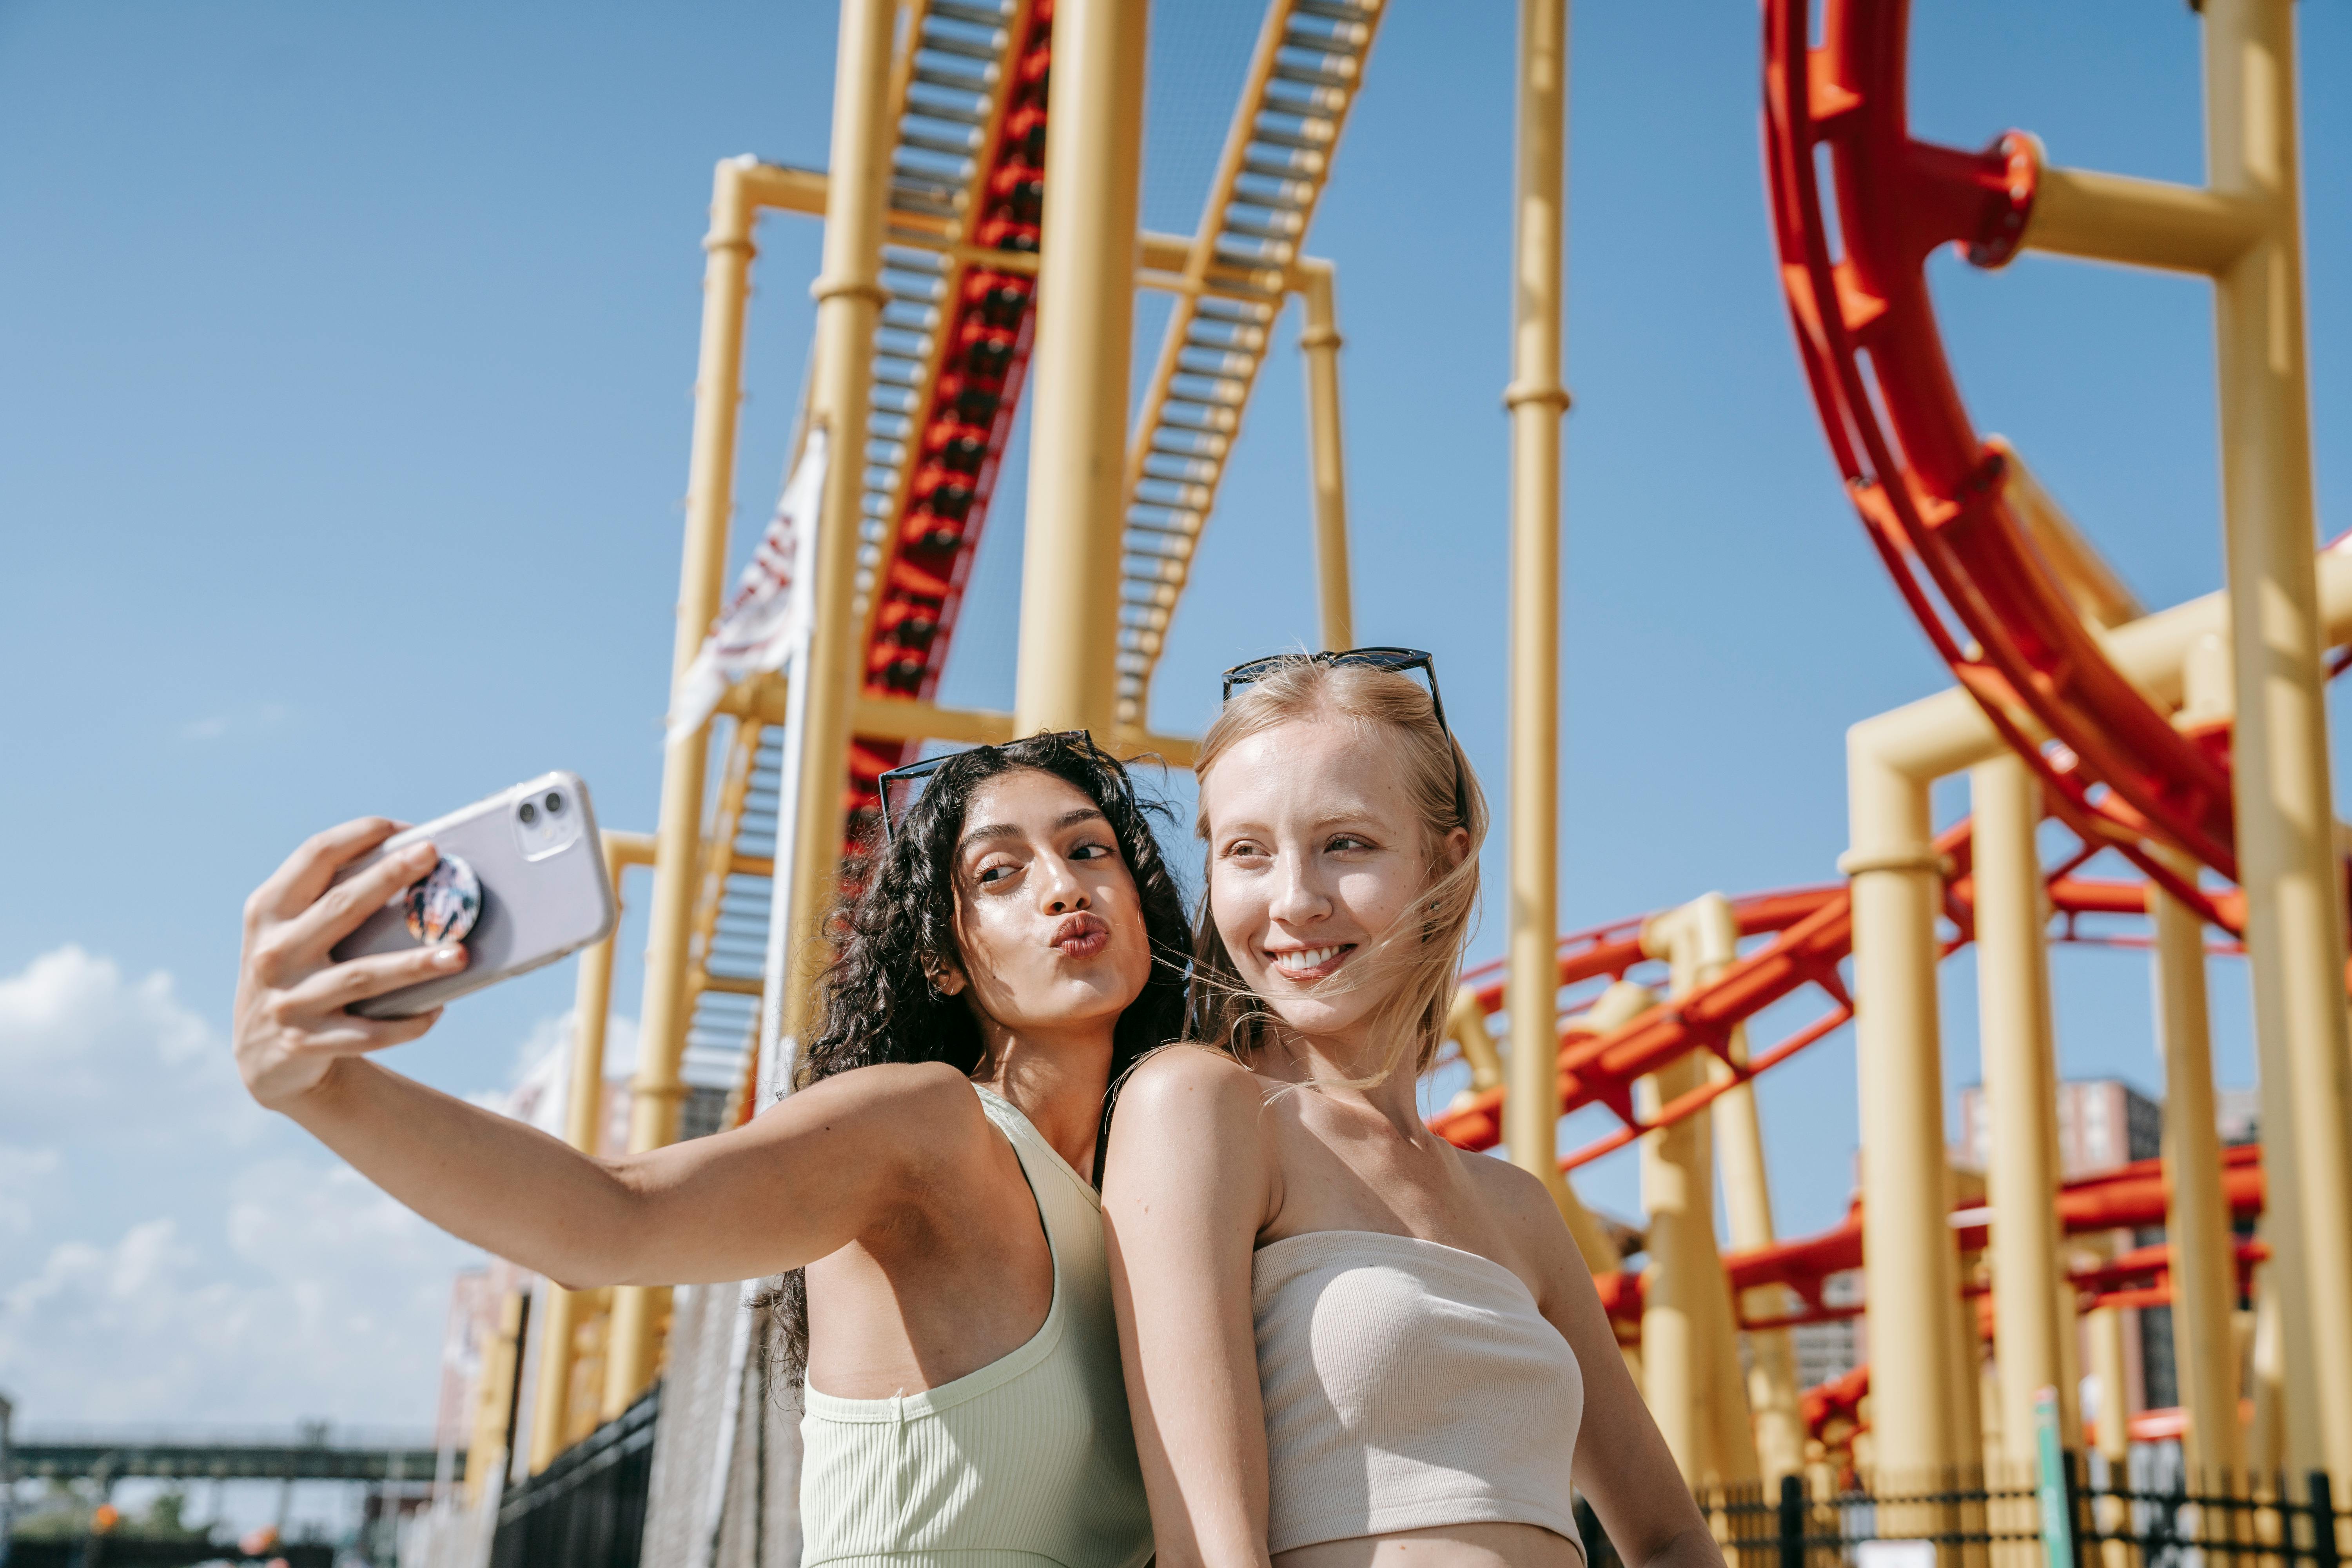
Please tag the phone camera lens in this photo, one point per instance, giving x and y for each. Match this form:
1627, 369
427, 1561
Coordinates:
554, 802
530, 814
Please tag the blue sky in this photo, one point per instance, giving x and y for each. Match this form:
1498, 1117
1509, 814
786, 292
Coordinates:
345, 371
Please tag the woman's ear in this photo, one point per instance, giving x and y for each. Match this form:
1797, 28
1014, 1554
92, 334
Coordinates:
947, 979
1457, 846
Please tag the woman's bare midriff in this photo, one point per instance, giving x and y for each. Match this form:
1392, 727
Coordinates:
1443, 1546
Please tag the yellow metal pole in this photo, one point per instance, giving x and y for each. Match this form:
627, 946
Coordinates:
1771, 1374
584, 1109
1537, 401
1679, 1359
1687, 1263
2020, 1085
1911, 1266
2197, 1219
849, 300
2287, 862
656, 1090
2103, 1331
1086, 328
1320, 343
487, 1452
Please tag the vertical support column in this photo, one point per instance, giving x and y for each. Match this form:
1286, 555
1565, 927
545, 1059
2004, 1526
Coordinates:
1679, 1359
591, 1005
491, 1444
2287, 864
1690, 1263
2020, 1081
655, 1091
1086, 331
2102, 1332
1911, 1267
1772, 1392
1320, 344
849, 300
2197, 1219
1537, 402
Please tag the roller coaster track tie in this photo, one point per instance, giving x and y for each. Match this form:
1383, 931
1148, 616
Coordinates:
976, 15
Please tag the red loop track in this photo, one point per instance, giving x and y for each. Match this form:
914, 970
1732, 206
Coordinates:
1930, 492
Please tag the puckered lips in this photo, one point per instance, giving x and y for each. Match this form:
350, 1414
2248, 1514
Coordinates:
1081, 935
1305, 964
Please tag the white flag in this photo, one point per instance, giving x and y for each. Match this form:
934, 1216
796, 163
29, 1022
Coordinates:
765, 621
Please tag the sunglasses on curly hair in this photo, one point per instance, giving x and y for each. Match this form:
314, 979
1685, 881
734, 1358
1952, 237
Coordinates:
914, 772
1396, 660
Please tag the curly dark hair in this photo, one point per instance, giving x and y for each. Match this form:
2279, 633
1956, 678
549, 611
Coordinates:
877, 1002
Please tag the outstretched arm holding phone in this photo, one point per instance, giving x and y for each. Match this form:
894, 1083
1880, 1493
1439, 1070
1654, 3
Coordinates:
797, 1183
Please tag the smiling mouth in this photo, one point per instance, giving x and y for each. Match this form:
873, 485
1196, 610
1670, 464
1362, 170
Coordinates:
1081, 936
1311, 962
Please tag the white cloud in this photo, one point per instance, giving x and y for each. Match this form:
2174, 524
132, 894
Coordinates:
245, 721
174, 1253
78, 1039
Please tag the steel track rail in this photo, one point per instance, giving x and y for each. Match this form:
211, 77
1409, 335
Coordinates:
1303, 79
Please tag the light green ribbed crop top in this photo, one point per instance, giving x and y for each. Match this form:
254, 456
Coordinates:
1028, 1462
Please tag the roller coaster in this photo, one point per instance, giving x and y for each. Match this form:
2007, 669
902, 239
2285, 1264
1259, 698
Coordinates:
2188, 744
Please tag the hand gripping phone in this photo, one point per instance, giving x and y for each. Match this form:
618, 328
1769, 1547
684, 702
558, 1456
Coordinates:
521, 883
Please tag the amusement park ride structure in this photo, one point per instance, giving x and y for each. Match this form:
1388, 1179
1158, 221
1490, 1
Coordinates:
968, 253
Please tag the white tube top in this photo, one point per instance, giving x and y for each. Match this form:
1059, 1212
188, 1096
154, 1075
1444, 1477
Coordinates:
1407, 1384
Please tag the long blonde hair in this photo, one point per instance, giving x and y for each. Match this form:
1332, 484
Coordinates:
1418, 958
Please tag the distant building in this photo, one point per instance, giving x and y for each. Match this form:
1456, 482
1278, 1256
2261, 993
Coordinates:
2102, 1123
1827, 1351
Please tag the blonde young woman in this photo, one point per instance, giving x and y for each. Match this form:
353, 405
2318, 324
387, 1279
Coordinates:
1346, 1343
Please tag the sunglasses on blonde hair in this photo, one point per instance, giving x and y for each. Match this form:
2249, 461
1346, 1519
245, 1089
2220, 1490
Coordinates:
1396, 660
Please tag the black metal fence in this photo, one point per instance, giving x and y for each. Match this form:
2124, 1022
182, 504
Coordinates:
587, 1509
2258, 1522
133, 1552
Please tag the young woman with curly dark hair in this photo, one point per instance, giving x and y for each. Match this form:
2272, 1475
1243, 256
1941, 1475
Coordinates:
1017, 944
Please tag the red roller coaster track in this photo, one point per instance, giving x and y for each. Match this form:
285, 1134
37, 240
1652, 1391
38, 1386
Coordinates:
1931, 492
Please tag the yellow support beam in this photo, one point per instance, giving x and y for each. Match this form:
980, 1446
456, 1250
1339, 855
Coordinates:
1536, 401
1085, 334
655, 1091
2287, 861
2020, 1085
2139, 223
584, 1106
1320, 342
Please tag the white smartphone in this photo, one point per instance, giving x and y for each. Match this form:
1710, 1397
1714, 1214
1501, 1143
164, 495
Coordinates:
521, 882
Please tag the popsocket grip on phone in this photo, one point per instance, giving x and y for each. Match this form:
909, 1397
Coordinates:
445, 903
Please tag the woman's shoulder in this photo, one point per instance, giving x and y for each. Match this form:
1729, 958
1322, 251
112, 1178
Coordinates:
913, 1101
1183, 1082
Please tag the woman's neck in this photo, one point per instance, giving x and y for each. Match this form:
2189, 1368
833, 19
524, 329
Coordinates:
1340, 1064
1058, 1084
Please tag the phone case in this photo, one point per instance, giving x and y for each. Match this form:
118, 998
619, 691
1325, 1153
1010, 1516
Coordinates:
535, 852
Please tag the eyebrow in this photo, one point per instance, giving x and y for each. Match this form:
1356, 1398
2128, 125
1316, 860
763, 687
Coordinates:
996, 830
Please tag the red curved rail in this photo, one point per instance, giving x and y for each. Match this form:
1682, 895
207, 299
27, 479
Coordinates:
1812, 930
2128, 1197
1929, 490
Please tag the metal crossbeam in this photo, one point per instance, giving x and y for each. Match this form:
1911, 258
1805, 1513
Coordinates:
39, 1460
